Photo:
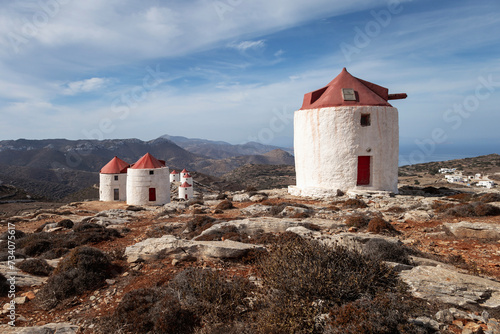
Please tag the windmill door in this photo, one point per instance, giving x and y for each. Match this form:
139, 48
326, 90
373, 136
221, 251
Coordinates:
364, 170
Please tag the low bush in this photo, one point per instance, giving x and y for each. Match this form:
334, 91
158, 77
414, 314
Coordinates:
489, 197
379, 225
357, 220
211, 295
304, 279
474, 209
354, 203
66, 223
92, 233
383, 314
225, 205
439, 206
199, 224
38, 267
387, 251
17, 233
150, 310
38, 243
4, 286
84, 269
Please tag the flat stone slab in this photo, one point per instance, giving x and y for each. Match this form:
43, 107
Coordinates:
171, 246
465, 229
451, 287
53, 328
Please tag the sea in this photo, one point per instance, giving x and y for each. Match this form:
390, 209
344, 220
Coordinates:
411, 154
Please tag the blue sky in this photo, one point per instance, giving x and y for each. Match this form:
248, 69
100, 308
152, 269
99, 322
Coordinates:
236, 70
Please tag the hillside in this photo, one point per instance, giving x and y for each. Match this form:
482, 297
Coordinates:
221, 149
56, 168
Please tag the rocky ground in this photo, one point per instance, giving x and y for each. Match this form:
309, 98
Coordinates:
452, 240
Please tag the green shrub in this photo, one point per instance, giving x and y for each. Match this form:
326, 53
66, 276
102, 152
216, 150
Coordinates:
84, 269
38, 267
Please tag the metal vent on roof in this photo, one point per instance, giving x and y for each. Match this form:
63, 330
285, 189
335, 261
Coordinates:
348, 94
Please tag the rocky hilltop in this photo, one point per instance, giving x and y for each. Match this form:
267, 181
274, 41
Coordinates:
424, 261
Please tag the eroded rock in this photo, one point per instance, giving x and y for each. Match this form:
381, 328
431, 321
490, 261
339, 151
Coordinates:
171, 246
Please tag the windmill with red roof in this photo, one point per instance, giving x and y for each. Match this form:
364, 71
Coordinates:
148, 182
346, 137
113, 180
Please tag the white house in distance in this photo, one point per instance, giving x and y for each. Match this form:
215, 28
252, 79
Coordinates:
113, 180
148, 182
346, 137
486, 183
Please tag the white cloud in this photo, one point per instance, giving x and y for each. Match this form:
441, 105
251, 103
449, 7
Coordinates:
85, 86
245, 45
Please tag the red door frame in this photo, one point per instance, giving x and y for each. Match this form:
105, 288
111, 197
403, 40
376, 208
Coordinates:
364, 162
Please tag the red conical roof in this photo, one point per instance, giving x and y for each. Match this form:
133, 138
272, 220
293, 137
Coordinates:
148, 162
115, 166
187, 175
185, 185
366, 93
184, 171
174, 172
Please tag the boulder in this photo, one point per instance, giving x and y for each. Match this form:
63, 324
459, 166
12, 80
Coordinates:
257, 209
171, 246
258, 198
241, 197
294, 210
466, 229
451, 287
253, 226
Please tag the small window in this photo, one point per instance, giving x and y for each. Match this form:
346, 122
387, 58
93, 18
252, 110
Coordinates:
348, 94
365, 120
151, 172
116, 177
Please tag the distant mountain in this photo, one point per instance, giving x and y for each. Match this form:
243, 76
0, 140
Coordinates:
221, 149
57, 168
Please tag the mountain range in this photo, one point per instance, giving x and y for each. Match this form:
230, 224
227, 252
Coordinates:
55, 168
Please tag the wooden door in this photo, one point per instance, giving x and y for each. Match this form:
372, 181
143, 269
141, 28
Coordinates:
152, 194
363, 170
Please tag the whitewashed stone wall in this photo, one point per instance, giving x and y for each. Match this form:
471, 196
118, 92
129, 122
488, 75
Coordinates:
140, 181
328, 141
107, 185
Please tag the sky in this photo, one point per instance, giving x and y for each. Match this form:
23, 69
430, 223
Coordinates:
236, 70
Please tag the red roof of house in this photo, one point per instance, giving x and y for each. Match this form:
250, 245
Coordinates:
115, 166
184, 171
148, 162
174, 172
366, 93
187, 175
185, 185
